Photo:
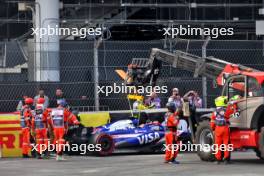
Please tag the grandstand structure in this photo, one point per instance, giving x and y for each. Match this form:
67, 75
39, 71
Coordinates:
130, 29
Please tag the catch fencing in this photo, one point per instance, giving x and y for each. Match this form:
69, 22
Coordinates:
77, 70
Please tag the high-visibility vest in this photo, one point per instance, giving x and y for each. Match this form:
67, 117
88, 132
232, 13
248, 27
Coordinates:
40, 122
24, 120
220, 119
57, 116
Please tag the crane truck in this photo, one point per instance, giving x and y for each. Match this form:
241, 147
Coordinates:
247, 125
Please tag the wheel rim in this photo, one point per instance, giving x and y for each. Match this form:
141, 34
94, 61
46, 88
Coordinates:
106, 144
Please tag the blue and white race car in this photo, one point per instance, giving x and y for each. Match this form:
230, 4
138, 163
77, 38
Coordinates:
128, 134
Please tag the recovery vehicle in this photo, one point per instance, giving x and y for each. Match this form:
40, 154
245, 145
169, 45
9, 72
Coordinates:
247, 125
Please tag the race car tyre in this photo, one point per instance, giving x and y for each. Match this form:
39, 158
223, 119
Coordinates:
260, 150
106, 142
204, 136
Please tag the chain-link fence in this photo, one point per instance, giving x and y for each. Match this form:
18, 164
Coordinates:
77, 70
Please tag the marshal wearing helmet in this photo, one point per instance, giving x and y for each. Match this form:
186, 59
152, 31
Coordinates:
220, 125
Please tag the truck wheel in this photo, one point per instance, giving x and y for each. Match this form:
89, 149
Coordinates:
204, 136
106, 142
260, 151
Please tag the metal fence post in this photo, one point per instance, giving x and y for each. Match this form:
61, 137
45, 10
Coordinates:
96, 74
204, 80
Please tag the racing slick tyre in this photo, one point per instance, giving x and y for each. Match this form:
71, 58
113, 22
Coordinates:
106, 143
204, 136
260, 150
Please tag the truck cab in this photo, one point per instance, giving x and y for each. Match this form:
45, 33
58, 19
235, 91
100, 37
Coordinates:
251, 98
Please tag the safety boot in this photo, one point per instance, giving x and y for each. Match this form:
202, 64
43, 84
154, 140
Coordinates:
217, 162
227, 161
25, 156
60, 158
33, 154
175, 162
39, 156
46, 154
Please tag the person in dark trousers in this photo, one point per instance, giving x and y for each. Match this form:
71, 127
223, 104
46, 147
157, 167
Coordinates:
194, 102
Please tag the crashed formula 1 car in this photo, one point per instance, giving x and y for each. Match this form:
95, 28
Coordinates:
131, 135
144, 134
128, 134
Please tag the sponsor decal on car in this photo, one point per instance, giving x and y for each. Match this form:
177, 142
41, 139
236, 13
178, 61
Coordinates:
148, 138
